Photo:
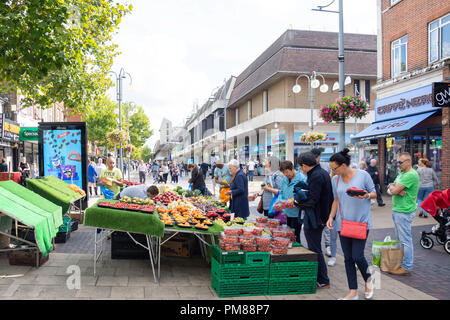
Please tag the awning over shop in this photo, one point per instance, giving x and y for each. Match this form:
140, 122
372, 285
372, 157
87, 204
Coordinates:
391, 127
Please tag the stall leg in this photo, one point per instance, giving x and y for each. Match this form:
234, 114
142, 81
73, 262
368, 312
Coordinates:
95, 249
159, 258
151, 257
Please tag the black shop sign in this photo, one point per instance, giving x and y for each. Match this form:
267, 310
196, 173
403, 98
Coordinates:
441, 94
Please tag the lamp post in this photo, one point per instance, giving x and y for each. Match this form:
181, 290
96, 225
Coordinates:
313, 83
129, 138
122, 75
341, 66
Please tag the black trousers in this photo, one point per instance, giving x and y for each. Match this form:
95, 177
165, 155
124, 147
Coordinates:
378, 189
354, 253
295, 223
165, 177
142, 176
314, 239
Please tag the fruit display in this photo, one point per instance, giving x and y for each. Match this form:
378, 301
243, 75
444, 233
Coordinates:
280, 233
232, 247
231, 231
133, 207
137, 200
105, 204
262, 219
249, 248
263, 241
273, 222
129, 183
264, 248
281, 242
166, 198
239, 220
279, 250
247, 241
77, 189
230, 239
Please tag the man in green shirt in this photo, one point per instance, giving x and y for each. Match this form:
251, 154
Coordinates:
111, 177
404, 204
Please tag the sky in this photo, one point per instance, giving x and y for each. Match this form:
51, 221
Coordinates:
178, 51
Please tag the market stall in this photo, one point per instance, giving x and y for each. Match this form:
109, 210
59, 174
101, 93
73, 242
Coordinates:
67, 196
22, 206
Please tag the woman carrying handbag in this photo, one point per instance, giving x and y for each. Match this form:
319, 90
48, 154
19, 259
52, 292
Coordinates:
353, 218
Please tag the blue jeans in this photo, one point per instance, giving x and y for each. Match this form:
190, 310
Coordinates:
354, 253
422, 195
402, 225
331, 239
250, 175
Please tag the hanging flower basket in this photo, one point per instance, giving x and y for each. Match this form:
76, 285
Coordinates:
311, 137
351, 106
117, 136
129, 149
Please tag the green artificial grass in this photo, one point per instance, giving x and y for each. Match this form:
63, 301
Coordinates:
24, 211
55, 190
35, 199
123, 220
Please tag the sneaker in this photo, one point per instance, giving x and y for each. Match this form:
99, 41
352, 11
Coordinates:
332, 261
382, 204
319, 285
425, 216
420, 214
328, 251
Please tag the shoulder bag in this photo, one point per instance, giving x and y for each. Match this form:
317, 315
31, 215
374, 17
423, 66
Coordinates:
351, 229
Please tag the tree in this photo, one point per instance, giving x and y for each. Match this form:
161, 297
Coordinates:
146, 154
100, 120
139, 124
58, 51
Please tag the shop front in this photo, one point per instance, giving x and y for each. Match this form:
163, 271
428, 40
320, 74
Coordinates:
29, 144
9, 139
406, 122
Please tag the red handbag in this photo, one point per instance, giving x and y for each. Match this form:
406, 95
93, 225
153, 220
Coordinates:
352, 229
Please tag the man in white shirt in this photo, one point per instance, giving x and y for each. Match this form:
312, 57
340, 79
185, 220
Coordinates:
251, 170
142, 171
98, 168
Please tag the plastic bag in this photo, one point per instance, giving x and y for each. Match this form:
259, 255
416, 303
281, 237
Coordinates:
224, 198
378, 246
272, 212
108, 194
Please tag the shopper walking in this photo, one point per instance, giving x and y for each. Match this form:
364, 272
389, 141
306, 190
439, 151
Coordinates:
3, 165
251, 169
34, 172
292, 177
354, 208
175, 172
374, 174
317, 209
165, 171
197, 180
142, 171
92, 178
428, 182
98, 169
404, 192
238, 191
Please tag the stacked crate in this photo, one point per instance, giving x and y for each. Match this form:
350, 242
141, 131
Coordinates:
293, 274
239, 273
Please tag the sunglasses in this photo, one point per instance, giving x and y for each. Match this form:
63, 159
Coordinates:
401, 162
334, 169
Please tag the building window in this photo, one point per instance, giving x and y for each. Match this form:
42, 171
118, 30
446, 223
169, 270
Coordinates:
399, 57
236, 115
439, 39
265, 101
394, 2
249, 108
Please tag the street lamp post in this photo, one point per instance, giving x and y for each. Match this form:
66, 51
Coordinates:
341, 67
122, 75
313, 83
129, 138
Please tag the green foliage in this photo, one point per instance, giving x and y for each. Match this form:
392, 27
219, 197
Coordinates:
139, 124
58, 51
146, 154
100, 120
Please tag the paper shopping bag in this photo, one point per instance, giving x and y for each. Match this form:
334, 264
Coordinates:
391, 259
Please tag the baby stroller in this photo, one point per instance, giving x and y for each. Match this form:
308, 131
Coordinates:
437, 204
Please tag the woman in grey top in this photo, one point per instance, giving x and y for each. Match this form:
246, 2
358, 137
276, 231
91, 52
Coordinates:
354, 209
272, 183
428, 181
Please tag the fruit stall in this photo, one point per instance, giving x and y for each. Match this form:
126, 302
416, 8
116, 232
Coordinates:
28, 211
14, 176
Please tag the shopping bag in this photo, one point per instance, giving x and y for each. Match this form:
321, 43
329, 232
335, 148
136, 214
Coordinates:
377, 246
108, 194
391, 259
272, 212
281, 216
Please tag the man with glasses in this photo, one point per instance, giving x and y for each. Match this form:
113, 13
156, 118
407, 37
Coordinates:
404, 205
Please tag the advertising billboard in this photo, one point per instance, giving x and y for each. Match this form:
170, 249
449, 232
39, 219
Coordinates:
63, 150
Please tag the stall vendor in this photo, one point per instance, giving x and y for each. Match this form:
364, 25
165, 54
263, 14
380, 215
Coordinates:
111, 177
141, 191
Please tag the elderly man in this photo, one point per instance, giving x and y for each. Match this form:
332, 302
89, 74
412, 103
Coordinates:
111, 177
404, 192
373, 171
238, 190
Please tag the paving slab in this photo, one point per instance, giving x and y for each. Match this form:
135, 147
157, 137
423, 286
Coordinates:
51, 280
56, 292
112, 281
127, 292
203, 292
161, 292
141, 281
28, 291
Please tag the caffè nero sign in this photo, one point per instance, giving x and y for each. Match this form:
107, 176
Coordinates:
405, 104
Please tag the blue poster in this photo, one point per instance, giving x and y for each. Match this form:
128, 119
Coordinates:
62, 155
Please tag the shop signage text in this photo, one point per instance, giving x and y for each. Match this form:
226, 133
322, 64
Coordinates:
441, 94
29, 134
405, 104
10, 130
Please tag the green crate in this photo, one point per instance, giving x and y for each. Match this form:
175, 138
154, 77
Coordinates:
65, 227
239, 288
239, 271
228, 257
300, 269
284, 286
257, 258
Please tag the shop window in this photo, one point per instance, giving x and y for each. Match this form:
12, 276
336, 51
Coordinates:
399, 56
236, 115
439, 39
367, 85
249, 109
265, 100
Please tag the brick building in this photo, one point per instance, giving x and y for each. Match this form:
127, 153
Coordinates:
413, 52
266, 118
